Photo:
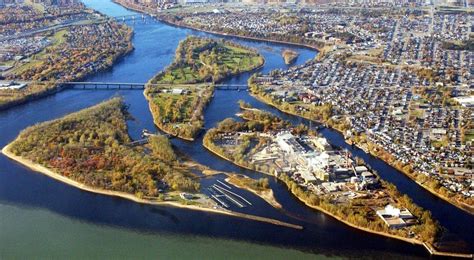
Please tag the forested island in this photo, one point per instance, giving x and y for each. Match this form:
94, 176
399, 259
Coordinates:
345, 189
92, 147
208, 60
177, 95
91, 150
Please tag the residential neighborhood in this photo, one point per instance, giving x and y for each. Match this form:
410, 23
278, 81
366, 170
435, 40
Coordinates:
397, 97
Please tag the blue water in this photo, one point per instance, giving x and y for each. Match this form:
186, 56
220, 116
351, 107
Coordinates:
30, 194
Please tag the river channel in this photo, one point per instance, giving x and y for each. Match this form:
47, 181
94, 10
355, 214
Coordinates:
40, 217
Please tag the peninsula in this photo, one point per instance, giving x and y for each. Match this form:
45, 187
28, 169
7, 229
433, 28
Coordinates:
179, 94
91, 150
322, 177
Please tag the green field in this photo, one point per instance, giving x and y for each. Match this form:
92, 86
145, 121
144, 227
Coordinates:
207, 60
179, 111
198, 60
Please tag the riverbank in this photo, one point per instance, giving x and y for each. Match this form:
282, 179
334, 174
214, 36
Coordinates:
41, 169
56, 88
179, 111
414, 241
266, 195
159, 125
465, 208
127, 6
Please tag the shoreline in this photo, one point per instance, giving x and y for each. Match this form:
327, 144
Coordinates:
268, 196
43, 170
58, 87
192, 139
369, 153
302, 45
189, 139
468, 209
457, 205
427, 246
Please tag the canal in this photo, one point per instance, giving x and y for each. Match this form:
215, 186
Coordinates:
41, 217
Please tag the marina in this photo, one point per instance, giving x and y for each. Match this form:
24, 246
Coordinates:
321, 235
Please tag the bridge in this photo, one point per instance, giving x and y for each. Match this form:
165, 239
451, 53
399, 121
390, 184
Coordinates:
104, 85
145, 138
141, 86
133, 17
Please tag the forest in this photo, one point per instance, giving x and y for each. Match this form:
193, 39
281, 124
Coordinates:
92, 147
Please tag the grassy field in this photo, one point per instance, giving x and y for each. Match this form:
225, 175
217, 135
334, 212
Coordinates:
179, 111
37, 6
469, 135
198, 60
205, 60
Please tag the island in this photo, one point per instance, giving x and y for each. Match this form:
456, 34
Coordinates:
179, 94
289, 56
321, 176
421, 121
49, 45
91, 150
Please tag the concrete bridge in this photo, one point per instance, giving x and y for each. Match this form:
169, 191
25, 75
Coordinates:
133, 17
141, 86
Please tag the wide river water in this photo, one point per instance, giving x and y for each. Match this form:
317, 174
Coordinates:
43, 218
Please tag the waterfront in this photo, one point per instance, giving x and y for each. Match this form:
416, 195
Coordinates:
33, 193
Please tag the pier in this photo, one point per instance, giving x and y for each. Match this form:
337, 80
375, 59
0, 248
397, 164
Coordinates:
225, 185
218, 193
145, 138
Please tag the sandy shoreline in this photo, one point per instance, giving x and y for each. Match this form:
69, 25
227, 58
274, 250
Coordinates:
457, 205
41, 169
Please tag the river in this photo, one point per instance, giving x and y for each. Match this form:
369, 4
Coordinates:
40, 217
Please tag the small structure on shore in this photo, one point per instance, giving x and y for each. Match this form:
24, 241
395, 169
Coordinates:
12, 85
